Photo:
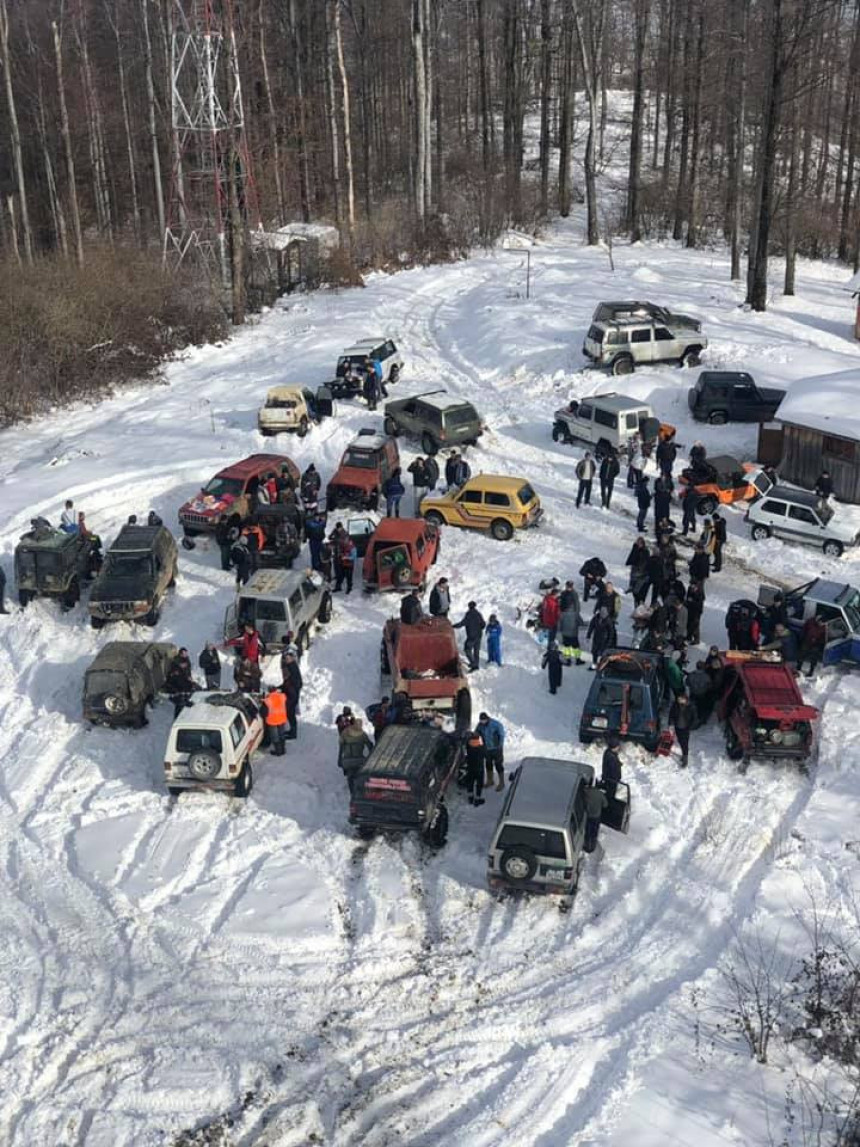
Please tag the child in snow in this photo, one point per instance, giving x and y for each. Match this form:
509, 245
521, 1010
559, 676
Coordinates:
494, 640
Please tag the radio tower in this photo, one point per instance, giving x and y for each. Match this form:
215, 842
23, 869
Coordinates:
212, 193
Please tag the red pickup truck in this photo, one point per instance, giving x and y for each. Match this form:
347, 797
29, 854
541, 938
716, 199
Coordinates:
427, 674
762, 710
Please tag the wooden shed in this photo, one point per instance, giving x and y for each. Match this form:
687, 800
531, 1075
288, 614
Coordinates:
820, 423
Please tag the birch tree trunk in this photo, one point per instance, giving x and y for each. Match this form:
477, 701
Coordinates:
590, 46
301, 142
153, 122
67, 144
421, 142
347, 126
634, 177
14, 131
126, 119
545, 93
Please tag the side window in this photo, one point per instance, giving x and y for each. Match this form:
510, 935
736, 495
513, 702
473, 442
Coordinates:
472, 496
295, 602
493, 499
237, 730
585, 412
776, 508
662, 335
419, 546
632, 421
389, 349
827, 612
579, 805
308, 589
801, 514
742, 391
640, 336
606, 418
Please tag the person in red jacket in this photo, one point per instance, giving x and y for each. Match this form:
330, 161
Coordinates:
549, 613
250, 645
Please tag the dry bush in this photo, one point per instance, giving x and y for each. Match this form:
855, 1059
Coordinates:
69, 332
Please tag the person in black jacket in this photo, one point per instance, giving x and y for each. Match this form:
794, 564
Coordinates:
411, 610
699, 565
592, 572
210, 663
656, 571
611, 766
440, 598
601, 630
474, 625
609, 468
431, 469
667, 452
179, 684
552, 663
662, 503
688, 502
637, 560
695, 603
569, 597
419, 482
682, 717
476, 759
824, 485
292, 687
719, 524
643, 501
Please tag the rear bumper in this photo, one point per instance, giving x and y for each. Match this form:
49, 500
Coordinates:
498, 883
221, 784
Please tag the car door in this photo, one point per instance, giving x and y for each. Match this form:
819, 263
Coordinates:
471, 508
803, 525
743, 402
359, 530
642, 344
665, 344
582, 423
772, 514
838, 640
392, 567
616, 815
231, 622
409, 417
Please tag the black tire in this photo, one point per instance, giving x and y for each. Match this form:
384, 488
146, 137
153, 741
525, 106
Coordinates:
518, 865
153, 617
734, 749
324, 615
204, 765
691, 356
437, 833
302, 640
244, 782
394, 375
434, 518
173, 791
622, 365
707, 505
758, 533
832, 548
373, 501
389, 426
429, 444
97, 622
718, 418
25, 597
188, 532
73, 594
384, 663
366, 832
501, 530
303, 427
463, 711
559, 432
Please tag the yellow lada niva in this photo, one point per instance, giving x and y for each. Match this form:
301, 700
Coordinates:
494, 502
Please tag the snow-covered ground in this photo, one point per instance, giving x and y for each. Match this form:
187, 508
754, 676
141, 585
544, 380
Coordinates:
166, 965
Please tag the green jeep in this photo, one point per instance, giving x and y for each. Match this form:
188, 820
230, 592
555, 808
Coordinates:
52, 563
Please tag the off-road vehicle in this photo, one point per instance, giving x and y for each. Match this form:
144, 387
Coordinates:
52, 563
231, 491
835, 603
626, 698
349, 373
762, 710
284, 605
638, 310
538, 841
434, 419
609, 421
138, 570
399, 553
494, 502
293, 409
721, 396
620, 345
402, 784
211, 744
282, 524
365, 467
124, 678
723, 481
799, 516
426, 672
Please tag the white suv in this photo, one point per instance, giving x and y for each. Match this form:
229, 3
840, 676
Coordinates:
605, 420
620, 344
799, 516
211, 743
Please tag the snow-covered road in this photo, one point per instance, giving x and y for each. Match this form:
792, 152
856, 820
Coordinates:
170, 965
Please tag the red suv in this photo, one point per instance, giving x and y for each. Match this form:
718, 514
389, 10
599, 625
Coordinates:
763, 713
365, 467
230, 492
426, 672
399, 553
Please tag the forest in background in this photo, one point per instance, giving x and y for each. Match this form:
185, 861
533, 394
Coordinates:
404, 123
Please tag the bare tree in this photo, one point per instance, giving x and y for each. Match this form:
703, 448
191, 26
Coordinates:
14, 131
67, 144
588, 20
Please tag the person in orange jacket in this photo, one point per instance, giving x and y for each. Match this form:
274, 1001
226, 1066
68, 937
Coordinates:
275, 707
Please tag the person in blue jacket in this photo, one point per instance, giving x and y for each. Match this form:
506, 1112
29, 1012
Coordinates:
492, 733
380, 377
494, 640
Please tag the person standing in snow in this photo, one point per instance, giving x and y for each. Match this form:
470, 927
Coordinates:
346, 555
643, 501
552, 663
549, 613
824, 485
411, 610
440, 599
210, 663
371, 386
494, 640
474, 625
585, 475
688, 510
662, 504
667, 452
695, 603
592, 573
275, 716
595, 803
699, 564
3, 608
720, 535
315, 533
609, 468
393, 490
611, 766
813, 638
492, 733
682, 717
240, 557
250, 646
476, 762
420, 484
601, 630
68, 519
310, 485
568, 629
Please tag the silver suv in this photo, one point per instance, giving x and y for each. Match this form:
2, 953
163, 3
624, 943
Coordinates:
284, 605
619, 345
605, 420
538, 842
799, 516
211, 744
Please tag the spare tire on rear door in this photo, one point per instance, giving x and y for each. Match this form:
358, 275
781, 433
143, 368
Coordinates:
204, 764
401, 575
518, 864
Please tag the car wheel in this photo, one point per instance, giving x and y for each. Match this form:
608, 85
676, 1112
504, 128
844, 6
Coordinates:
174, 791
718, 418
324, 615
189, 533
437, 834
204, 765
365, 832
73, 594
734, 749
152, 618
518, 864
463, 711
558, 432
833, 549
759, 533
390, 426
373, 501
690, 357
434, 518
302, 427
97, 622
429, 444
502, 530
384, 663
622, 365
244, 782
707, 506
394, 374
24, 598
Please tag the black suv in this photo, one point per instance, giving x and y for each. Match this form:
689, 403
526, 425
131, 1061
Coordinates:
435, 419
52, 563
138, 570
124, 679
402, 784
721, 396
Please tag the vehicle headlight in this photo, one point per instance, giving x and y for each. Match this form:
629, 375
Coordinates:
777, 736
115, 704
140, 607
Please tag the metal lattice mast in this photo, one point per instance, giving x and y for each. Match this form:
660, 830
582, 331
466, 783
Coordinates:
210, 147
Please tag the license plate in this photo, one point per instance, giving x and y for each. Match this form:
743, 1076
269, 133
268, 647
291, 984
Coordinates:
599, 722
555, 874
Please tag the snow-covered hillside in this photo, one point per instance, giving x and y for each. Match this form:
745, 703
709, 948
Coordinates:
167, 965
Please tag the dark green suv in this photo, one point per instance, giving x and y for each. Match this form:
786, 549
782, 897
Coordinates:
435, 419
52, 563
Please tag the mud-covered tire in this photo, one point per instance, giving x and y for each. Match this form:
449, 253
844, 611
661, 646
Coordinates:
718, 418
501, 530
97, 622
707, 505
437, 833
692, 356
434, 518
303, 427
244, 782
324, 615
622, 365
389, 426
832, 548
72, 595
429, 444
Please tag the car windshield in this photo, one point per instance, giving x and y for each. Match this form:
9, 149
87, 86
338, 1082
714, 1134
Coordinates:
129, 565
460, 416
526, 494
193, 740
218, 487
612, 693
596, 333
102, 681
824, 511
852, 611
360, 459
541, 841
